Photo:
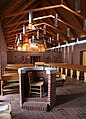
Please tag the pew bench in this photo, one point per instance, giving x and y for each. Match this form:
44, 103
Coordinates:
9, 86
9, 83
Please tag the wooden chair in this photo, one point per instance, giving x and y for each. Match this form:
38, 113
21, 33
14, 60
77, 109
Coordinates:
9, 86
36, 87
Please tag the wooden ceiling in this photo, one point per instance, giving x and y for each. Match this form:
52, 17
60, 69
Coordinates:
15, 13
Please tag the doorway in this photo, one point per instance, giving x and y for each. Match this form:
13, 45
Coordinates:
34, 59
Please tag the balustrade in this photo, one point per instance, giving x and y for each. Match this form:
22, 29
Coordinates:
72, 70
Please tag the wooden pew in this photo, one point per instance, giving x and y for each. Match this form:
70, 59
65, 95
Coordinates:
9, 83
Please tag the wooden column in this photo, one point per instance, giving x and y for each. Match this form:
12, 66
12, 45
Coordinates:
84, 76
71, 73
78, 74
61, 70
66, 70
57, 69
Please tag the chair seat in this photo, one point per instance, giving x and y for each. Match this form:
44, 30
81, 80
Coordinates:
37, 83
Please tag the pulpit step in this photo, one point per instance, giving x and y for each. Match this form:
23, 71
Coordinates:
36, 106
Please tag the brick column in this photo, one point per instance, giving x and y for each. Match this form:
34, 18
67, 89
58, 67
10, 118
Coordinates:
3, 52
0, 58
21, 88
51, 88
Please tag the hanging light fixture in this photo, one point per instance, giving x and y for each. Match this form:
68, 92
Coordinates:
57, 36
50, 39
30, 19
44, 42
18, 41
30, 41
33, 39
20, 36
77, 6
37, 34
44, 29
24, 29
68, 32
16, 38
56, 20
84, 25
62, 2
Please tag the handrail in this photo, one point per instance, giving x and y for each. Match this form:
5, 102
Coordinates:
62, 65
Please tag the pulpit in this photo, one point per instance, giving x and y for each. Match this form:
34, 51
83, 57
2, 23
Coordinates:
34, 102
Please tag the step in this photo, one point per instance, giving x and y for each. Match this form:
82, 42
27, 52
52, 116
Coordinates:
36, 106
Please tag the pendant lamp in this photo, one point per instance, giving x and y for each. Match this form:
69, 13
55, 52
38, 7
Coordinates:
57, 36
50, 39
56, 20
24, 29
33, 39
77, 6
84, 25
68, 32
44, 29
37, 34
20, 36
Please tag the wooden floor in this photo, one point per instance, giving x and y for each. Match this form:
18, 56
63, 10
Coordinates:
70, 104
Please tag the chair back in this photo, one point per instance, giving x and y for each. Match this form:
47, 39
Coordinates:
30, 76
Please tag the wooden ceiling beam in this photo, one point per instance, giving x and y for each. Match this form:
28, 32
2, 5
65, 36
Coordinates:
50, 30
67, 24
25, 21
76, 19
23, 8
10, 7
41, 9
10, 39
10, 32
12, 35
14, 32
27, 11
70, 10
56, 29
61, 32
47, 16
17, 23
72, 33
24, 15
